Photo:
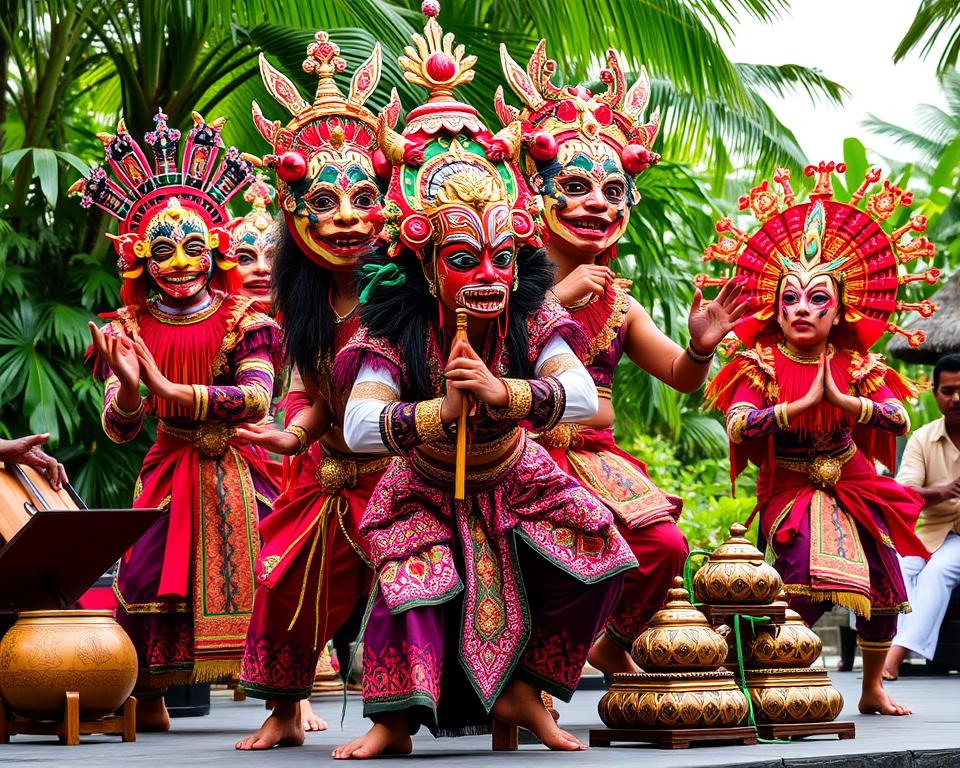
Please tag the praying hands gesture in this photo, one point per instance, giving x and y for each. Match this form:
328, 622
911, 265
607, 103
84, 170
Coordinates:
710, 322
468, 376
824, 388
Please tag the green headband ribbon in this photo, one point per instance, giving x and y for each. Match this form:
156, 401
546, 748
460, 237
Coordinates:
375, 276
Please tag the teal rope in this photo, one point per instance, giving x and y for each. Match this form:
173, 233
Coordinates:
688, 571
375, 276
742, 675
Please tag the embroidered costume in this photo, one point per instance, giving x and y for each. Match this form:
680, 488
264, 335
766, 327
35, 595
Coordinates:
314, 567
571, 131
831, 521
185, 589
517, 577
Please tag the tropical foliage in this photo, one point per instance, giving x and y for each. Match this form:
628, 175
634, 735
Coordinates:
72, 68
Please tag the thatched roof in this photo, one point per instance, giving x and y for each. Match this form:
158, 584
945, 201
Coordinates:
942, 328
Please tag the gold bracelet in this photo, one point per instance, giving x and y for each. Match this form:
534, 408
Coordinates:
781, 415
699, 357
519, 400
427, 422
303, 438
866, 410
127, 414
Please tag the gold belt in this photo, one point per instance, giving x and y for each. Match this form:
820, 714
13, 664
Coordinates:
444, 473
211, 439
823, 470
561, 436
337, 472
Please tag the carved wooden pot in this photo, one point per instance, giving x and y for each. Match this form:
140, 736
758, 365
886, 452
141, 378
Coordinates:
678, 700
48, 653
793, 695
736, 573
792, 644
679, 638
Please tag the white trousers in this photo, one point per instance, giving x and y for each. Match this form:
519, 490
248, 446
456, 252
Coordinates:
929, 584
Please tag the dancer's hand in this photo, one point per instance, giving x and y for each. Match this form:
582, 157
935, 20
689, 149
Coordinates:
27, 450
710, 322
815, 394
586, 279
269, 437
118, 353
150, 373
466, 372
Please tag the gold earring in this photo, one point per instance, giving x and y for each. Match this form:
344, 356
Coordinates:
432, 287
516, 279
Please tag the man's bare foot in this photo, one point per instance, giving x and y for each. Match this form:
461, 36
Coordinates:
878, 702
891, 665
389, 736
520, 704
310, 719
282, 729
152, 716
610, 658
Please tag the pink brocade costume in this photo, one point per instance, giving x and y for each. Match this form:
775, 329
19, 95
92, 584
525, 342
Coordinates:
314, 566
186, 587
645, 515
833, 523
531, 610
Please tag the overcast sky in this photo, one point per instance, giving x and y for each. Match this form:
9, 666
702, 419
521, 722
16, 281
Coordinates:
852, 42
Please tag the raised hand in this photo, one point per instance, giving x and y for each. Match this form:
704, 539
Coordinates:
710, 322
269, 437
150, 373
586, 279
118, 353
27, 450
468, 374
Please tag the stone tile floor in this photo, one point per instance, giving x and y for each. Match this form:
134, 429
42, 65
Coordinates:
929, 739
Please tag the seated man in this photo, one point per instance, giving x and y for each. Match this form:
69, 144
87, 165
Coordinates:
931, 465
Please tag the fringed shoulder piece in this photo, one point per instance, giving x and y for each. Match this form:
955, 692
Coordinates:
603, 318
363, 349
551, 318
243, 318
755, 366
869, 372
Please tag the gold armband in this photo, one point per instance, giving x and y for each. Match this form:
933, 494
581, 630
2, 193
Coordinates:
866, 410
519, 400
427, 421
781, 416
302, 437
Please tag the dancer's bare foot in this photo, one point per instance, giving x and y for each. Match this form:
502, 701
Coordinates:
878, 702
610, 657
891, 665
152, 716
520, 704
283, 728
310, 719
390, 735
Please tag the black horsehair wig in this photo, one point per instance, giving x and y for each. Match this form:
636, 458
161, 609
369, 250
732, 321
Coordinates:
403, 314
301, 298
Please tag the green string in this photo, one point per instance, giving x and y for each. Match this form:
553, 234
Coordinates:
742, 675
375, 276
688, 571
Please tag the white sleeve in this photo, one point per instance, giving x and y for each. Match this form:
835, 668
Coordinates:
361, 419
581, 393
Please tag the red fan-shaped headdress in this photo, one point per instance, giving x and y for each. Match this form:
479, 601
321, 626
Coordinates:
825, 236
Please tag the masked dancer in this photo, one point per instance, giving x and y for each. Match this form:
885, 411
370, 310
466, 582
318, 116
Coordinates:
809, 403
314, 567
482, 602
206, 360
582, 152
